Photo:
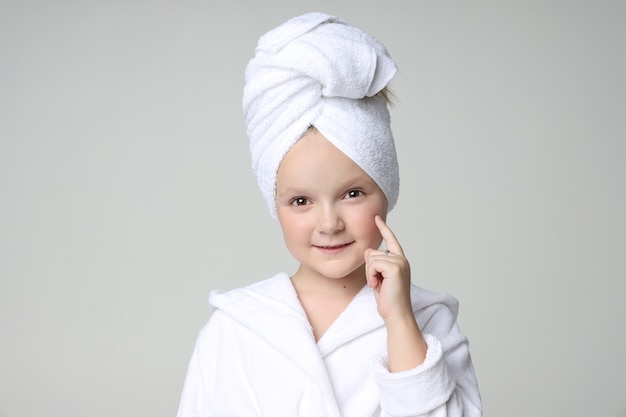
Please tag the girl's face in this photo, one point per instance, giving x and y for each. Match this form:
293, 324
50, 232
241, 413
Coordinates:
326, 206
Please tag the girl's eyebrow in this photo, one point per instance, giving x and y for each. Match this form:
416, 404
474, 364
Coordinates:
293, 191
356, 181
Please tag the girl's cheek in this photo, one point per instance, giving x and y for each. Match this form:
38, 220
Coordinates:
369, 224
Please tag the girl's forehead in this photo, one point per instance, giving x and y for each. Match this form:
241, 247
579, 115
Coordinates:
315, 163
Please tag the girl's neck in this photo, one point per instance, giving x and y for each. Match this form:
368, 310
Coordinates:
324, 299
307, 281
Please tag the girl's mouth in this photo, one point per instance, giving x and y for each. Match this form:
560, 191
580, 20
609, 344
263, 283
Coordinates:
332, 249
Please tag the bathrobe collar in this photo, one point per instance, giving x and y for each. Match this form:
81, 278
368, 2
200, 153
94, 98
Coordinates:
249, 307
270, 309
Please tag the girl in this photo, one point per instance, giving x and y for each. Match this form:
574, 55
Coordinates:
347, 334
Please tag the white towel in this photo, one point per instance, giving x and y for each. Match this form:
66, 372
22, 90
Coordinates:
318, 70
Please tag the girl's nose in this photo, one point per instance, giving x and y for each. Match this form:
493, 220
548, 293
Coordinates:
330, 221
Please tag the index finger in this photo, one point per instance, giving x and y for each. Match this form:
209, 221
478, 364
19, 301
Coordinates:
390, 239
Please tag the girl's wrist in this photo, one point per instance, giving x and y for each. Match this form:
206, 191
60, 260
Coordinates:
401, 322
402, 315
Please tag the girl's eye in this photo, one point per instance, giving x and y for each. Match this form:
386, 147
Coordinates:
354, 194
300, 201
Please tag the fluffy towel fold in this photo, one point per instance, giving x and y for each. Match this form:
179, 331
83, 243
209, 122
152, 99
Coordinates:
318, 70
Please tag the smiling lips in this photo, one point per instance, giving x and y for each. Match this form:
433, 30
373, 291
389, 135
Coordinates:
333, 249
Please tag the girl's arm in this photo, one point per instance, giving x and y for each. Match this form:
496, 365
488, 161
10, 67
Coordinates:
388, 273
428, 374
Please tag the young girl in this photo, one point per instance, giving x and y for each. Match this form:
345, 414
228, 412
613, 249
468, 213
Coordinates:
347, 334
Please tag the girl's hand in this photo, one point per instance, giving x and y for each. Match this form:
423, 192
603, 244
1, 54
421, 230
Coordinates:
389, 274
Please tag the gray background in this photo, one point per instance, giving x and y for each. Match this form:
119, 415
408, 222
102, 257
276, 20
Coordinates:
126, 192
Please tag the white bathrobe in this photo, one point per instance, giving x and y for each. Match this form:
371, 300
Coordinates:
257, 356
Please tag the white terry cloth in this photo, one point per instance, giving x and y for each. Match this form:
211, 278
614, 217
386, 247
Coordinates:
257, 356
317, 70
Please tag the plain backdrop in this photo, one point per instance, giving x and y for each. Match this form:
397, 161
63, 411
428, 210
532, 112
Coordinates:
126, 193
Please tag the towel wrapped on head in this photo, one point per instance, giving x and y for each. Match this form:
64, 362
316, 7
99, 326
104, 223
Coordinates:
318, 70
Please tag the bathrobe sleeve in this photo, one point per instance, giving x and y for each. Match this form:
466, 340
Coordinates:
444, 385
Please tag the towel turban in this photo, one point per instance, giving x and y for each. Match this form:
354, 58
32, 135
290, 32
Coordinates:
318, 70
